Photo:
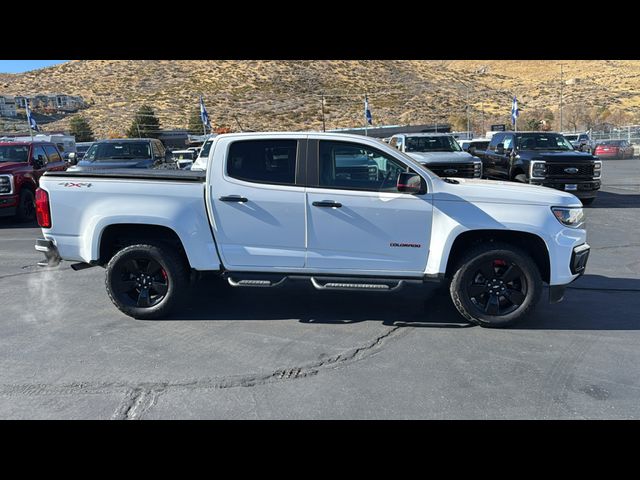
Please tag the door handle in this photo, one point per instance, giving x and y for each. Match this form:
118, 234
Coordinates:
233, 198
327, 203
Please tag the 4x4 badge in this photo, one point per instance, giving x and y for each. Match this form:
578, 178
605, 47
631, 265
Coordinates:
73, 184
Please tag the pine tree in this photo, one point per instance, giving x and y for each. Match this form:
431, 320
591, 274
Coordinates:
145, 124
81, 129
195, 123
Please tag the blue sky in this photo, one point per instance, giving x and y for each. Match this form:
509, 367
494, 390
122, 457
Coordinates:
19, 66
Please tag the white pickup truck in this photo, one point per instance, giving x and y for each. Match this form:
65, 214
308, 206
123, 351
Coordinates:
342, 211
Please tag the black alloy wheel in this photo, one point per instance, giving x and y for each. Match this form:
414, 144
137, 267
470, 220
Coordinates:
147, 280
497, 287
140, 282
495, 284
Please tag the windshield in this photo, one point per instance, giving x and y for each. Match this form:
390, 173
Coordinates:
14, 153
571, 138
543, 141
205, 148
118, 151
442, 143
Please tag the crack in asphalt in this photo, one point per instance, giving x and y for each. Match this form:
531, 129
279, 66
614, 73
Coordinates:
139, 398
34, 272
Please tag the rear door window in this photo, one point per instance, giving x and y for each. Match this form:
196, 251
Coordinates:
263, 161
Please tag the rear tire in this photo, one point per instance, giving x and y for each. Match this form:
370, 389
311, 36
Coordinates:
146, 281
26, 210
504, 294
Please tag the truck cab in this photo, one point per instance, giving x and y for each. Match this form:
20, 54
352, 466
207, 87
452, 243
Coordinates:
22, 164
542, 158
124, 153
440, 153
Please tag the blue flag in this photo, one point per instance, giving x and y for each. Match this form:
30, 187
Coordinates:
204, 116
367, 112
514, 110
32, 121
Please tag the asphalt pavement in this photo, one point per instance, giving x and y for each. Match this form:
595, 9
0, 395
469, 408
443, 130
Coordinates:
296, 353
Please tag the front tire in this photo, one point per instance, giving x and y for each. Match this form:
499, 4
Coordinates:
496, 285
146, 281
587, 201
521, 177
26, 211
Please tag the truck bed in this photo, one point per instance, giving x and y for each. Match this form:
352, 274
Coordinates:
135, 173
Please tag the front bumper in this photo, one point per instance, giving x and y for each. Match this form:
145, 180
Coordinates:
584, 189
577, 265
8, 205
52, 257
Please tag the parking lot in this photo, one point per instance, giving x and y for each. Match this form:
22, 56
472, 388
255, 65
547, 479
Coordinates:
66, 352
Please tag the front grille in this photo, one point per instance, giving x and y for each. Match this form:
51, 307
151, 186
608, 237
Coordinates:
558, 170
462, 170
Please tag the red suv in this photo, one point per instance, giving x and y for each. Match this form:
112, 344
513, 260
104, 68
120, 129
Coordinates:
21, 166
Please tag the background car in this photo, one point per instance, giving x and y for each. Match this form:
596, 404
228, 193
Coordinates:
184, 158
580, 141
126, 153
614, 149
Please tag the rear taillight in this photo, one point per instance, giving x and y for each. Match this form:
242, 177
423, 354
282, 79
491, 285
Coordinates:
43, 212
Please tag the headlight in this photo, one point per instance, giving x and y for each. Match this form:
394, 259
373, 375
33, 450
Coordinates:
477, 169
569, 216
538, 169
6, 184
597, 169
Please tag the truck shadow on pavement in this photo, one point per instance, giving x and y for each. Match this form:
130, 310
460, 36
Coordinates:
591, 303
10, 222
615, 200
413, 306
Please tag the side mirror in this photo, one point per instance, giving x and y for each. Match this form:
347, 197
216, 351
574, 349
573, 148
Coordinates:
72, 158
500, 149
410, 183
38, 162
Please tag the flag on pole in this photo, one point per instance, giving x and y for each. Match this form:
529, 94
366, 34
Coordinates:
32, 121
514, 110
204, 116
367, 112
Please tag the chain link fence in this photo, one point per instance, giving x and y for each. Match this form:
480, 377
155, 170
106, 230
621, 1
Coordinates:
630, 133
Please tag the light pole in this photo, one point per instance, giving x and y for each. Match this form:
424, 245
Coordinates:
323, 127
561, 87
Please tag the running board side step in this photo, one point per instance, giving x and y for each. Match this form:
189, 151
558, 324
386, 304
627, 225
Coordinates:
363, 284
255, 280
357, 284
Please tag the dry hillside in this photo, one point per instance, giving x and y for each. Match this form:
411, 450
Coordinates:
285, 95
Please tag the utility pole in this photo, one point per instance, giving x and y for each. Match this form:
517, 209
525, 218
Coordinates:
323, 126
468, 119
238, 122
561, 86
